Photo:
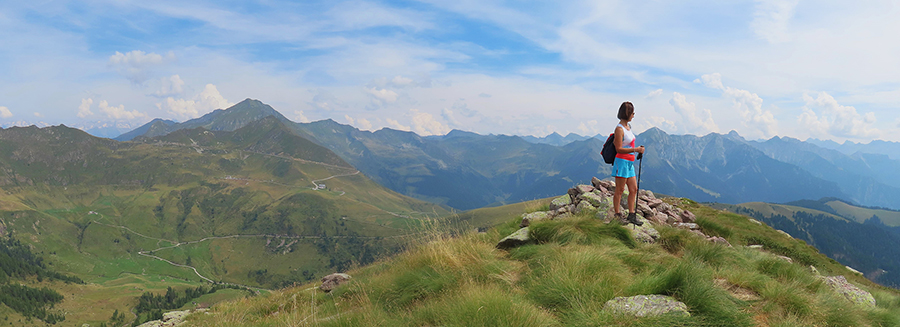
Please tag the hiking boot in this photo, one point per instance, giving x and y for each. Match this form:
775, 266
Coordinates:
632, 219
618, 216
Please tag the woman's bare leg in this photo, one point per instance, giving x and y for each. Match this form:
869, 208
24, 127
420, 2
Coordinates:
632, 193
617, 196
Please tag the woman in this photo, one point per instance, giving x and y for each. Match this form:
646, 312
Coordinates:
623, 166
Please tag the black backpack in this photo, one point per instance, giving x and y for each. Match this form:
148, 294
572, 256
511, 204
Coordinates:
609, 149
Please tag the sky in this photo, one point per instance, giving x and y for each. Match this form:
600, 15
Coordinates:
803, 69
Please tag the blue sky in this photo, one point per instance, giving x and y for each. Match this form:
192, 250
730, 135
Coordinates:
823, 69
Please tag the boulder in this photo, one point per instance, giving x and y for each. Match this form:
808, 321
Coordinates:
584, 188
529, 218
658, 218
597, 183
663, 207
687, 216
691, 226
609, 185
754, 221
644, 209
788, 259
584, 207
644, 233
560, 202
719, 240
654, 203
850, 292
646, 306
784, 233
332, 281
593, 199
573, 194
520, 237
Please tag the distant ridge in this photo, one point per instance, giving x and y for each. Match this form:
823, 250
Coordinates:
229, 119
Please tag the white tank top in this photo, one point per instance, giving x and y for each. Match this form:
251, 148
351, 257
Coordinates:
627, 138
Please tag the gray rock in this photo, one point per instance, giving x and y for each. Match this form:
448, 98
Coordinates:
654, 203
520, 237
560, 202
755, 246
663, 207
644, 209
755, 221
332, 281
784, 233
719, 240
646, 306
584, 188
788, 259
691, 226
529, 218
687, 216
597, 183
850, 292
593, 199
584, 207
644, 233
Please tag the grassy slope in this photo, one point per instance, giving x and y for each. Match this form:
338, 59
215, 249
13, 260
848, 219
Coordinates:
890, 218
189, 201
565, 279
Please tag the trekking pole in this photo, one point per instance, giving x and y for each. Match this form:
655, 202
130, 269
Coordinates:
640, 166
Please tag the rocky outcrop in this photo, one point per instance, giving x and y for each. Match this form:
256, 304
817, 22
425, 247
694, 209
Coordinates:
596, 199
646, 306
332, 281
850, 292
171, 319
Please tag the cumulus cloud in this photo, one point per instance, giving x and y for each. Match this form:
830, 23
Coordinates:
695, 120
397, 125
84, 109
169, 86
425, 124
823, 116
654, 94
4, 112
450, 117
118, 112
38, 114
364, 124
382, 96
401, 81
134, 65
747, 104
209, 99
588, 128
300, 117
771, 19
325, 100
349, 119
658, 122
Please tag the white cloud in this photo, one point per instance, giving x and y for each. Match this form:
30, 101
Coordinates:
364, 124
694, 120
349, 119
38, 114
119, 112
424, 124
713, 80
169, 86
824, 117
397, 125
659, 122
300, 117
4, 112
208, 100
325, 100
588, 128
84, 109
449, 116
771, 18
134, 65
382, 96
654, 94
748, 105
401, 81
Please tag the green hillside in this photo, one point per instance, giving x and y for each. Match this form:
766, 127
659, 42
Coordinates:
574, 267
867, 245
258, 207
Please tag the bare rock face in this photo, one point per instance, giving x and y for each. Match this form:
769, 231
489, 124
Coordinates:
647, 306
332, 281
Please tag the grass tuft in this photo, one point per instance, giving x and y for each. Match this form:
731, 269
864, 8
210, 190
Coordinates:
579, 230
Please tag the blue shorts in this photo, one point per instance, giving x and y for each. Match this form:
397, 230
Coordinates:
623, 168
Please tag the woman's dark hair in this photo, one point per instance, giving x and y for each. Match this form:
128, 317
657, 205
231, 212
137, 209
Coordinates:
625, 110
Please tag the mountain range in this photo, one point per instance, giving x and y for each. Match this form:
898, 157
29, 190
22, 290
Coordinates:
465, 170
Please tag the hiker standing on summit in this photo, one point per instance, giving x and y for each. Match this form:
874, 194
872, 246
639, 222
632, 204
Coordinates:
623, 166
